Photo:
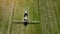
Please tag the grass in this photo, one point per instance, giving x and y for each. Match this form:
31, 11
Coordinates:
45, 11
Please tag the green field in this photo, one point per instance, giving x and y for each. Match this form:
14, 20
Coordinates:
45, 11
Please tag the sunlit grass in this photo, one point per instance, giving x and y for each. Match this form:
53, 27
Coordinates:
19, 7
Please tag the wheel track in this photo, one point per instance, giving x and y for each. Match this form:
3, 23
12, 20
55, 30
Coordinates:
19, 28
10, 20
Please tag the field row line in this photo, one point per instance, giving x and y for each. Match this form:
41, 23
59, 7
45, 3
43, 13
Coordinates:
54, 16
11, 17
51, 16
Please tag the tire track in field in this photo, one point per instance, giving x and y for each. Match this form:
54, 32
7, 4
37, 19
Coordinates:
5, 15
19, 28
10, 19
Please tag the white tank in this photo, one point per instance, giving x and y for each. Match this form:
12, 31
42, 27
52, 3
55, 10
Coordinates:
26, 11
25, 17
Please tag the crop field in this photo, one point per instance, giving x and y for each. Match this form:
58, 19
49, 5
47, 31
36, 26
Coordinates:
47, 12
